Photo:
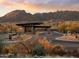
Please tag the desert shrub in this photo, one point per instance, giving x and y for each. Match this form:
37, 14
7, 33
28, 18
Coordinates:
1, 46
38, 50
5, 50
75, 53
58, 50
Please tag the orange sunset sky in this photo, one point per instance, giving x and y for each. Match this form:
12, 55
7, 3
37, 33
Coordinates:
35, 6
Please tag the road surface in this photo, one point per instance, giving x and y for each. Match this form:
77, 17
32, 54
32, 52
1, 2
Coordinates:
52, 40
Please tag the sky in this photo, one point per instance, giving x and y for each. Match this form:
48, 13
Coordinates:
35, 6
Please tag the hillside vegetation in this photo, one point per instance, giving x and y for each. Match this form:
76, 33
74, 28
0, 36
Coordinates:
21, 15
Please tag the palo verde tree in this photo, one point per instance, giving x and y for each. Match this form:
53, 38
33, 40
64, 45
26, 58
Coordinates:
38, 50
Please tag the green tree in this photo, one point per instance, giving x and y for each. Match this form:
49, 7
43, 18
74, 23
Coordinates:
1, 46
38, 50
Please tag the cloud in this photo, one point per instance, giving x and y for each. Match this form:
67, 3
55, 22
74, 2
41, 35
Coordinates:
53, 1
35, 6
17, 1
2, 1
42, 1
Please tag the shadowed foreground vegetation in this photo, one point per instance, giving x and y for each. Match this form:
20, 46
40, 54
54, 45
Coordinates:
37, 48
40, 46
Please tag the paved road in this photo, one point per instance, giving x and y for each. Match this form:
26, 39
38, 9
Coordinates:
51, 40
64, 43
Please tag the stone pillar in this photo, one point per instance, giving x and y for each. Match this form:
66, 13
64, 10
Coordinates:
25, 29
33, 30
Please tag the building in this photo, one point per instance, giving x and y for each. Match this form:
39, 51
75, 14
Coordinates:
34, 26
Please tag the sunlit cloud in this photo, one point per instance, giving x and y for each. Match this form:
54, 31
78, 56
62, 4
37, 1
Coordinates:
34, 6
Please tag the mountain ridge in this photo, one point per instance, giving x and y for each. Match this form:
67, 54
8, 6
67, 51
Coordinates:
21, 15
